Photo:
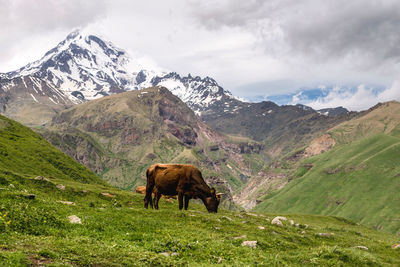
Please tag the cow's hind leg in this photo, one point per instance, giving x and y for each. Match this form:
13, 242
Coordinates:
157, 197
148, 198
180, 200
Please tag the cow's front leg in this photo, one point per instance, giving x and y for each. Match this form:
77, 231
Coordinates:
187, 202
180, 200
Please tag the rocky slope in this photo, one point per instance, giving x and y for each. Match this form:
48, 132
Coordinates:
31, 100
281, 128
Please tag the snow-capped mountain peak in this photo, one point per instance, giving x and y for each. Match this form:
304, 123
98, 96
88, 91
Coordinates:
85, 63
85, 67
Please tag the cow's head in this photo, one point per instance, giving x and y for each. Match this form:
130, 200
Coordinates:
212, 201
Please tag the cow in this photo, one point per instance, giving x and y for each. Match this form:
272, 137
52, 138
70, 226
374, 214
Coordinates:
183, 180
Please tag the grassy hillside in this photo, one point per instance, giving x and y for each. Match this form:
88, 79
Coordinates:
116, 230
25, 153
359, 179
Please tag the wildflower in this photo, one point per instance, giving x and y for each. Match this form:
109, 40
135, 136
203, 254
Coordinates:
8, 222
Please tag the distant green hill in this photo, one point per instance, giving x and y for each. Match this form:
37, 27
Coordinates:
25, 153
359, 179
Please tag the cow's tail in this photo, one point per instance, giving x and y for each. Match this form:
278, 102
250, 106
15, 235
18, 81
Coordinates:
149, 187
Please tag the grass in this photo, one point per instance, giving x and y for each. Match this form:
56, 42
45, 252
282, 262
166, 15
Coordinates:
117, 231
358, 181
23, 151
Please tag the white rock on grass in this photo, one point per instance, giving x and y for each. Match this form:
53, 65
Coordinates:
60, 186
251, 244
74, 219
325, 234
167, 254
278, 220
361, 247
41, 178
67, 202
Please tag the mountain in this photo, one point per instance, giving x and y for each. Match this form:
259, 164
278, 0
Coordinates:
332, 112
281, 128
200, 94
85, 67
357, 177
119, 136
31, 100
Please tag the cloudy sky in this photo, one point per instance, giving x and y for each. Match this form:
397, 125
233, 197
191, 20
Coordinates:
256, 49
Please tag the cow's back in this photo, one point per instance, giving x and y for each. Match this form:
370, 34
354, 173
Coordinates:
169, 177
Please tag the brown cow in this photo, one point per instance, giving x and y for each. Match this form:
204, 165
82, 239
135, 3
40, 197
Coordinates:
185, 181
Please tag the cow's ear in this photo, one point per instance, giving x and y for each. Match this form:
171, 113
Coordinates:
219, 196
212, 191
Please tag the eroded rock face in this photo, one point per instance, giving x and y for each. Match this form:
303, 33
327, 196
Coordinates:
320, 145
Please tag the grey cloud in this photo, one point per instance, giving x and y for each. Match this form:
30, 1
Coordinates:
31, 15
24, 20
364, 32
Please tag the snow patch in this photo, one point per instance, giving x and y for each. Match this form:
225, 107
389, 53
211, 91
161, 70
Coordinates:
34, 98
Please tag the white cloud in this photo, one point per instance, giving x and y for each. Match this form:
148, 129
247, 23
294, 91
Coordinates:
361, 99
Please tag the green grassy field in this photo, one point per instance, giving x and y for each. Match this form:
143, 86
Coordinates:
359, 179
116, 230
